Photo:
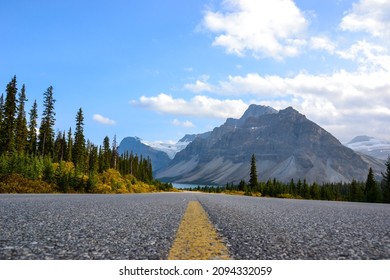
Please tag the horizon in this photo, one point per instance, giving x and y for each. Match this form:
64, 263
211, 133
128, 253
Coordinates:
160, 71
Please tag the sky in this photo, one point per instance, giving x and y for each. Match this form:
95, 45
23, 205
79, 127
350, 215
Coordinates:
162, 69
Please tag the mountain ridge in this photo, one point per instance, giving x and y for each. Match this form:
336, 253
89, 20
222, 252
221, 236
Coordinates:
286, 144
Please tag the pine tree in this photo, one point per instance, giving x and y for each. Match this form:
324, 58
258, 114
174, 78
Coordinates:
21, 123
1, 110
115, 155
32, 141
79, 142
386, 182
93, 159
46, 131
315, 191
69, 146
60, 147
8, 126
305, 190
371, 190
106, 154
253, 174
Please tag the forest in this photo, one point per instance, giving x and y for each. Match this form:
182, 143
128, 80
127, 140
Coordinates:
34, 158
369, 191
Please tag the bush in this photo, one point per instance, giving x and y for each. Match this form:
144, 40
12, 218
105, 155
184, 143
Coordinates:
16, 183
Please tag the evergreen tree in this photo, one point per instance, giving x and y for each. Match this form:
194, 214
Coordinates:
299, 188
59, 147
315, 191
93, 159
386, 182
253, 174
69, 146
21, 123
46, 130
32, 141
7, 134
115, 155
305, 190
106, 154
1, 111
79, 142
371, 190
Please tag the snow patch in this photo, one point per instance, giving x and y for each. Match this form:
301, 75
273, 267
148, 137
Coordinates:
169, 147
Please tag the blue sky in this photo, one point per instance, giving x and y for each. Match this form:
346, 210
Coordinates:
162, 69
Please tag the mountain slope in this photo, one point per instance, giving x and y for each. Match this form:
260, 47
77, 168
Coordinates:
134, 145
371, 146
286, 144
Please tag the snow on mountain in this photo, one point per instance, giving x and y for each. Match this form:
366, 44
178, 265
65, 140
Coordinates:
170, 147
371, 146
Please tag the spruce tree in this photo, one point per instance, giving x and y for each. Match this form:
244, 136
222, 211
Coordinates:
371, 190
78, 152
1, 110
46, 130
253, 174
59, 147
8, 126
114, 156
32, 140
386, 182
21, 123
106, 154
69, 146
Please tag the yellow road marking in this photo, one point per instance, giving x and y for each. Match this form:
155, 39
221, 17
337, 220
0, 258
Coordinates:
196, 238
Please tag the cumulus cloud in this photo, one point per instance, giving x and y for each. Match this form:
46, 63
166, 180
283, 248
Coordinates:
198, 106
342, 97
186, 124
103, 120
370, 16
261, 28
368, 55
200, 85
322, 43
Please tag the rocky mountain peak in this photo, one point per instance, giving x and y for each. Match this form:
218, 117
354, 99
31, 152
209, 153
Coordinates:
257, 111
360, 138
286, 144
253, 111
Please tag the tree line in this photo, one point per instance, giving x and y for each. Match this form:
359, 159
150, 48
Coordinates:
369, 191
35, 158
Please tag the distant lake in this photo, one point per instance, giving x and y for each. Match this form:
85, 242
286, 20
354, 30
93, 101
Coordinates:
186, 186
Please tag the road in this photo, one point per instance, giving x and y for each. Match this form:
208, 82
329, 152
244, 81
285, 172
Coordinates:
144, 226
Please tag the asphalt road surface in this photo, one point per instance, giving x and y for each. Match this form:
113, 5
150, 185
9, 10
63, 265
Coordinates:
143, 226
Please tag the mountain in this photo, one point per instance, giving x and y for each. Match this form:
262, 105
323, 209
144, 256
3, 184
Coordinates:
134, 145
371, 146
170, 148
286, 144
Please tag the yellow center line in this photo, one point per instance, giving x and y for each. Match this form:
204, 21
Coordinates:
196, 238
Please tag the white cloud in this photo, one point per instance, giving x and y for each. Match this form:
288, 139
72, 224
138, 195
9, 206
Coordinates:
186, 124
348, 98
368, 55
103, 120
198, 106
322, 43
261, 28
199, 86
372, 16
